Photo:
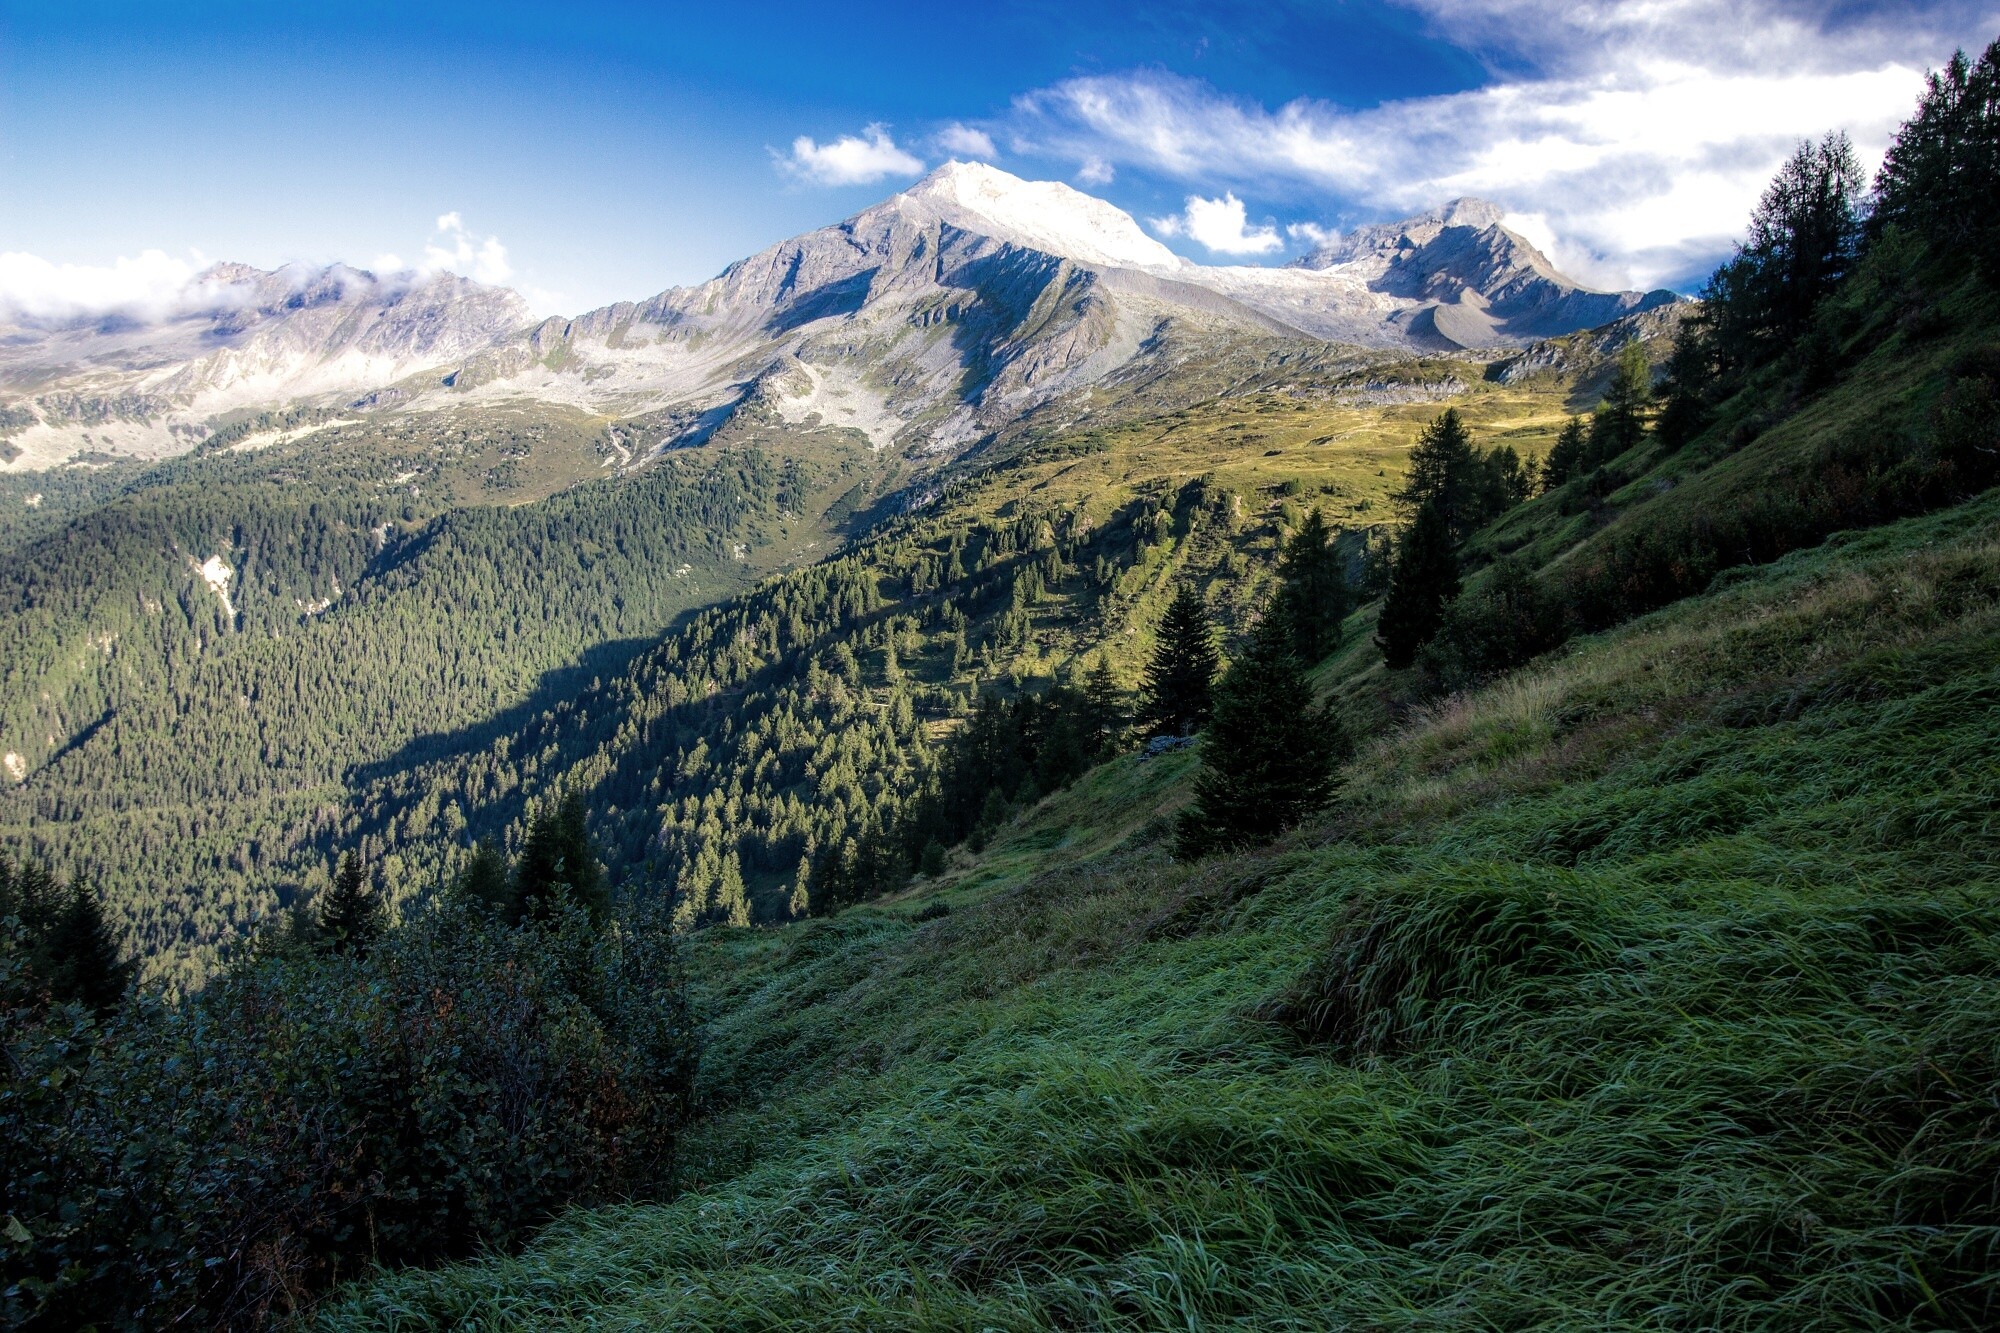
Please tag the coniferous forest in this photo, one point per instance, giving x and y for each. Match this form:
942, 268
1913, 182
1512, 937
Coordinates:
1315, 854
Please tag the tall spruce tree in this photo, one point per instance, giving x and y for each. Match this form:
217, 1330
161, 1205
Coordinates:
350, 916
1567, 456
1423, 581
1620, 421
1445, 474
558, 865
1268, 754
1805, 235
83, 954
1312, 595
70, 952
1181, 677
1105, 706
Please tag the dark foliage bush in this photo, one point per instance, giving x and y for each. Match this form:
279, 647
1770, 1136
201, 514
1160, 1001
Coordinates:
313, 1111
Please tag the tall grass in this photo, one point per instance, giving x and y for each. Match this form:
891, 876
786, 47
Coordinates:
1660, 988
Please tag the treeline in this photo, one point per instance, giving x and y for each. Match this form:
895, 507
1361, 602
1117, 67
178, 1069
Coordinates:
346, 1093
1828, 271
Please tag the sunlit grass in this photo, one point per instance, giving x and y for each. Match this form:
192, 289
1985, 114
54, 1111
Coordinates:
1654, 987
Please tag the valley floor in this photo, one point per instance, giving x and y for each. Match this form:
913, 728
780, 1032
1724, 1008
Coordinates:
1656, 986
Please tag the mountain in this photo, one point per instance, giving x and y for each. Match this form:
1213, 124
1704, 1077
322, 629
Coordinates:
1474, 283
239, 338
929, 322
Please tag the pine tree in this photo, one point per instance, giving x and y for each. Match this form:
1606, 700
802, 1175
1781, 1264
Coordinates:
558, 865
1312, 596
484, 878
1105, 703
1620, 420
1424, 579
1268, 755
84, 954
1444, 473
350, 916
1566, 458
1181, 676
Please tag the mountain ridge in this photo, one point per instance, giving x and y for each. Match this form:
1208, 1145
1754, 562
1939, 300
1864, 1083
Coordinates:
933, 318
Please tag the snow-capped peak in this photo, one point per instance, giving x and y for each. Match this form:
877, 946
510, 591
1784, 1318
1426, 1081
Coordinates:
1047, 215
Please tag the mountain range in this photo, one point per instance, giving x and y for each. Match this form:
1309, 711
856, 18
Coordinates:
925, 322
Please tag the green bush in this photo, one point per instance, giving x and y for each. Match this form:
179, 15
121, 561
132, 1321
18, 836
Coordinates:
313, 1112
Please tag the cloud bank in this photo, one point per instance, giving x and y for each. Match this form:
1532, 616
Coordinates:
1639, 139
32, 288
850, 160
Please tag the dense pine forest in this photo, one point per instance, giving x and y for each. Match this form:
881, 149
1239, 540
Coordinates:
1282, 860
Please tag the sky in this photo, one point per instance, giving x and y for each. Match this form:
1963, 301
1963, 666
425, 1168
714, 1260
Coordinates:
596, 151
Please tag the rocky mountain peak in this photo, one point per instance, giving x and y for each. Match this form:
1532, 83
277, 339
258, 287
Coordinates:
1416, 231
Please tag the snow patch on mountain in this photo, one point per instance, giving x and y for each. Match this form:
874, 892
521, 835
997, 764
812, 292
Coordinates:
1044, 215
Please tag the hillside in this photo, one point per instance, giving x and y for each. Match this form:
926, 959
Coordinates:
1643, 971
1656, 983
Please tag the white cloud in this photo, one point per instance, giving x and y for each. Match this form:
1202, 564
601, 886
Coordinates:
1095, 171
1219, 225
964, 141
848, 160
1641, 141
456, 248
1311, 233
146, 287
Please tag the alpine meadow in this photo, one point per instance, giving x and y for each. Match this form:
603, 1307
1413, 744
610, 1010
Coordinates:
976, 771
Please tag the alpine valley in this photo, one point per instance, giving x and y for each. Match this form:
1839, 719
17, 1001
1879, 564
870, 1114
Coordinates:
299, 560
971, 772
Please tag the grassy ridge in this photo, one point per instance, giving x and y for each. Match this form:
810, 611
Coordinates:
1653, 986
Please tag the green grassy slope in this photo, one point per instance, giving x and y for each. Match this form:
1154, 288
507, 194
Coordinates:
1654, 986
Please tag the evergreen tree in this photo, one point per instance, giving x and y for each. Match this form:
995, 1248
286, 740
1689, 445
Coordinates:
558, 864
1105, 703
1312, 595
1181, 675
350, 915
1620, 421
1804, 236
484, 878
1268, 755
1566, 458
83, 954
1424, 579
1940, 178
1444, 474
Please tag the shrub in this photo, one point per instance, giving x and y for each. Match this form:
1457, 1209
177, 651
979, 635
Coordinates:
312, 1112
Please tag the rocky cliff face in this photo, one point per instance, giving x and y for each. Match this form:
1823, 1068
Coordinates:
925, 322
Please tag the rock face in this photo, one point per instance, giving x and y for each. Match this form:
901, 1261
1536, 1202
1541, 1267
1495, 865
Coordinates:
924, 322
1471, 282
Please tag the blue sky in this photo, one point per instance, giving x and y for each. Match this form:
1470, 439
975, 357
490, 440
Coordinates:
588, 152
